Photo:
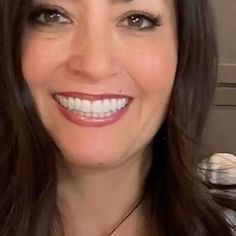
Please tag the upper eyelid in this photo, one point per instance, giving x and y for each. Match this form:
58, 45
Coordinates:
41, 7
156, 18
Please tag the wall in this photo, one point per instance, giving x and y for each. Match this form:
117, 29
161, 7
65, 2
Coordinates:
221, 128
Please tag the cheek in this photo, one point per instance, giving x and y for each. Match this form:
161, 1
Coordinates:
40, 58
153, 68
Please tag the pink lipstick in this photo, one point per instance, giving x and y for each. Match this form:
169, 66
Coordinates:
92, 110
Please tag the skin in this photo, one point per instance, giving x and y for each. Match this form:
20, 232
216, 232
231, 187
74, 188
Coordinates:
96, 52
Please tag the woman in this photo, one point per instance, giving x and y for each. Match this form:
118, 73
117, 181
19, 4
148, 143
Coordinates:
105, 102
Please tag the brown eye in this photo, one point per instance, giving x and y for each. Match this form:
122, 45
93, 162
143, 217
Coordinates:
140, 21
52, 16
48, 15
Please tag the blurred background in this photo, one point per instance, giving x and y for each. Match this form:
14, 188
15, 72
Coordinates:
220, 132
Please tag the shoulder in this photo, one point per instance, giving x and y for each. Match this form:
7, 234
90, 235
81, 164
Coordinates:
220, 168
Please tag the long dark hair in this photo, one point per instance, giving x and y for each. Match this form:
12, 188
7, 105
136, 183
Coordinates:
178, 201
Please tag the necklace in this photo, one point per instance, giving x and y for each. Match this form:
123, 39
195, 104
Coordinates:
123, 219
132, 209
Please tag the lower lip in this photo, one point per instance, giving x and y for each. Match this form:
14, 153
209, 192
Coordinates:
92, 122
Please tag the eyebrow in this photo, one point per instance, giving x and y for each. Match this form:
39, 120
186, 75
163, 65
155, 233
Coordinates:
118, 1
121, 1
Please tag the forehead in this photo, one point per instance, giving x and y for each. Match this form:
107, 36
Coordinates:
108, 1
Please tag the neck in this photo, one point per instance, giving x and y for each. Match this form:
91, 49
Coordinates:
92, 202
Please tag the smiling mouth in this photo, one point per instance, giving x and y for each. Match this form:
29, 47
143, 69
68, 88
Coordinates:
92, 110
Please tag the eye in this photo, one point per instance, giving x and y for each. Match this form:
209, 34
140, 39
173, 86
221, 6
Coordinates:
51, 16
48, 15
140, 21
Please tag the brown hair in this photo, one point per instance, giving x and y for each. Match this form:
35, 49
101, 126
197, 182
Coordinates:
179, 202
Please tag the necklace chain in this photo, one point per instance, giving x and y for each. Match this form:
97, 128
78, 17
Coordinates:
116, 227
125, 217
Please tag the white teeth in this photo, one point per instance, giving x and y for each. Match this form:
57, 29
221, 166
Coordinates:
121, 103
95, 109
64, 102
101, 115
95, 115
77, 104
107, 114
71, 103
97, 106
106, 105
88, 114
86, 106
113, 104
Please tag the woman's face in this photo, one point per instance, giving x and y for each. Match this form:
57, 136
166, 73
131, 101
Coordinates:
101, 74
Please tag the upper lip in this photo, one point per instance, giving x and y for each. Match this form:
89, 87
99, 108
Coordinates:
91, 96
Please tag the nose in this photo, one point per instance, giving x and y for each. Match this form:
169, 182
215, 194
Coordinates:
94, 55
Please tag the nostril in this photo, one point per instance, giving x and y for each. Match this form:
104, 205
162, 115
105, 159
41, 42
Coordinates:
94, 65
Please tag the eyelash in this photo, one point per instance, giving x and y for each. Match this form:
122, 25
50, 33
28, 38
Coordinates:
150, 21
43, 11
39, 14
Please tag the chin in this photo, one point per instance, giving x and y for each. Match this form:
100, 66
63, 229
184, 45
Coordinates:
92, 159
